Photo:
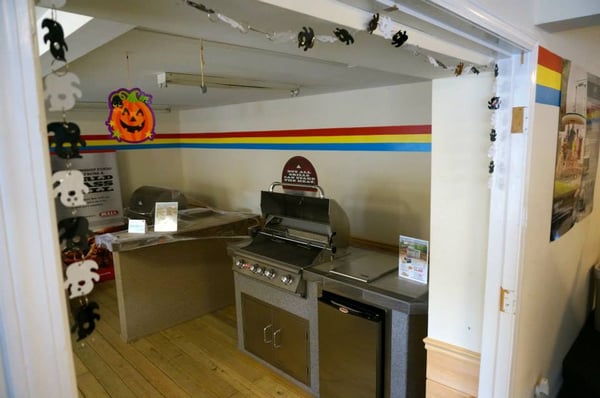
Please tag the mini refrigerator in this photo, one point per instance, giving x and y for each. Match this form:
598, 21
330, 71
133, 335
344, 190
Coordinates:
351, 348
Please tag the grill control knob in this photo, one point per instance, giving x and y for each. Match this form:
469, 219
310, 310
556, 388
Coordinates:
287, 279
253, 267
258, 270
239, 263
270, 273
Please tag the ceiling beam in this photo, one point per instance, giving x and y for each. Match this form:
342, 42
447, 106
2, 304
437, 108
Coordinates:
559, 15
355, 18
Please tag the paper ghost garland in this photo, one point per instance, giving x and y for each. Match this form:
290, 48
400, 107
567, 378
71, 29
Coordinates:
68, 185
81, 278
61, 91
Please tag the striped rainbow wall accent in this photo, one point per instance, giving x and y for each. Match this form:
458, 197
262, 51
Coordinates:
410, 138
549, 76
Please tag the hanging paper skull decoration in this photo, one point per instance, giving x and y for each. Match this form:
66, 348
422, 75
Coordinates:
131, 118
68, 185
81, 278
61, 91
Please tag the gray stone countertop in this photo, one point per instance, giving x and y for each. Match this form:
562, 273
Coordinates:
389, 290
195, 223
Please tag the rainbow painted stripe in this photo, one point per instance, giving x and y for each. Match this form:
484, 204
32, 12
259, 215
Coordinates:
411, 138
549, 76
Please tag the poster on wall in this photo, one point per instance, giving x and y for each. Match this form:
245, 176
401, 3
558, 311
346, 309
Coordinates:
577, 148
103, 206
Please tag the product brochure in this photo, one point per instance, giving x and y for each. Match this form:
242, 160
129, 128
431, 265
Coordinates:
414, 259
165, 217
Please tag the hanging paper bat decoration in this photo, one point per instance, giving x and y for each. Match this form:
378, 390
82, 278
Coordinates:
306, 38
344, 36
493, 135
496, 70
399, 38
57, 39
66, 132
491, 167
459, 69
373, 23
474, 70
85, 320
494, 103
74, 234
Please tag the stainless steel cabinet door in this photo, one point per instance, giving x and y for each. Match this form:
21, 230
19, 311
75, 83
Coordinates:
290, 343
258, 327
277, 336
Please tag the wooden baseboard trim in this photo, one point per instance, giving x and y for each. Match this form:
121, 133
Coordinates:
451, 371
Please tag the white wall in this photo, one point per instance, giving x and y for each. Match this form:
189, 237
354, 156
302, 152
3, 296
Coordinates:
459, 209
384, 193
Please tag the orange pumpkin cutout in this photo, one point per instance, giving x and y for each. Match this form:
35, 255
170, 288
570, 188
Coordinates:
131, 118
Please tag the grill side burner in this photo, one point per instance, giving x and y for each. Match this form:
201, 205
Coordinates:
299, 232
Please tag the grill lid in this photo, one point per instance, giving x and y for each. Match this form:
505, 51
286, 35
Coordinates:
310, 220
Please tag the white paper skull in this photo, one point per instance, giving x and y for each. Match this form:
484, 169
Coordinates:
61, 91
81, 278
385, 27
68, 184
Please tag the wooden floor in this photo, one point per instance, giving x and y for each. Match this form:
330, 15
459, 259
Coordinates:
198, 358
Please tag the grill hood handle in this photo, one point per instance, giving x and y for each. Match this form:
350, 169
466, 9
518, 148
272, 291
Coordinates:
280, 184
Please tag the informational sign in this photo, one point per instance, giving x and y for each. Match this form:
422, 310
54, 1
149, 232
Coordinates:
103, 206
299, 171
414, 259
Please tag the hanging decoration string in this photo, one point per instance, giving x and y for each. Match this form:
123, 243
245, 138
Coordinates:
202, 85
128, 69
384, 24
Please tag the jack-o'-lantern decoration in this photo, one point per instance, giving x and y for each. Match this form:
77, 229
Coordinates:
131, 118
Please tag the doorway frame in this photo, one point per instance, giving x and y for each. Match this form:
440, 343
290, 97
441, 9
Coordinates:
35, 344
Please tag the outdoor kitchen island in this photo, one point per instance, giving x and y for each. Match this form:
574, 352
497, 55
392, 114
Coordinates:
165, 278
403, 302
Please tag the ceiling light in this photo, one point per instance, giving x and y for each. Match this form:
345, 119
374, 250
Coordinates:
190, 79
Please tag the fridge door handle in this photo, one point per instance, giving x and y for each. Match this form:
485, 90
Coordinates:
266, 330
275, 335
349, 309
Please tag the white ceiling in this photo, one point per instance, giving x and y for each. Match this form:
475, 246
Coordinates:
128, 43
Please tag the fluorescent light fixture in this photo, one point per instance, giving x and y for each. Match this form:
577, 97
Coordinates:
190, 79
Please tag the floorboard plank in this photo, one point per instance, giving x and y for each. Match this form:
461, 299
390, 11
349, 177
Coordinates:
102, 371
89, 387
198, 358
155, 376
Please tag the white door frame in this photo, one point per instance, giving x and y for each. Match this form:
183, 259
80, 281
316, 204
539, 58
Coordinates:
507, 220
35, 346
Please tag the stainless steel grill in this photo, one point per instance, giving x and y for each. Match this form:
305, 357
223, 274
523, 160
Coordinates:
299, 232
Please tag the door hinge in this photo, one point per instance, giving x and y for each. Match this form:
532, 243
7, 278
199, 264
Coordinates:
508, 300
